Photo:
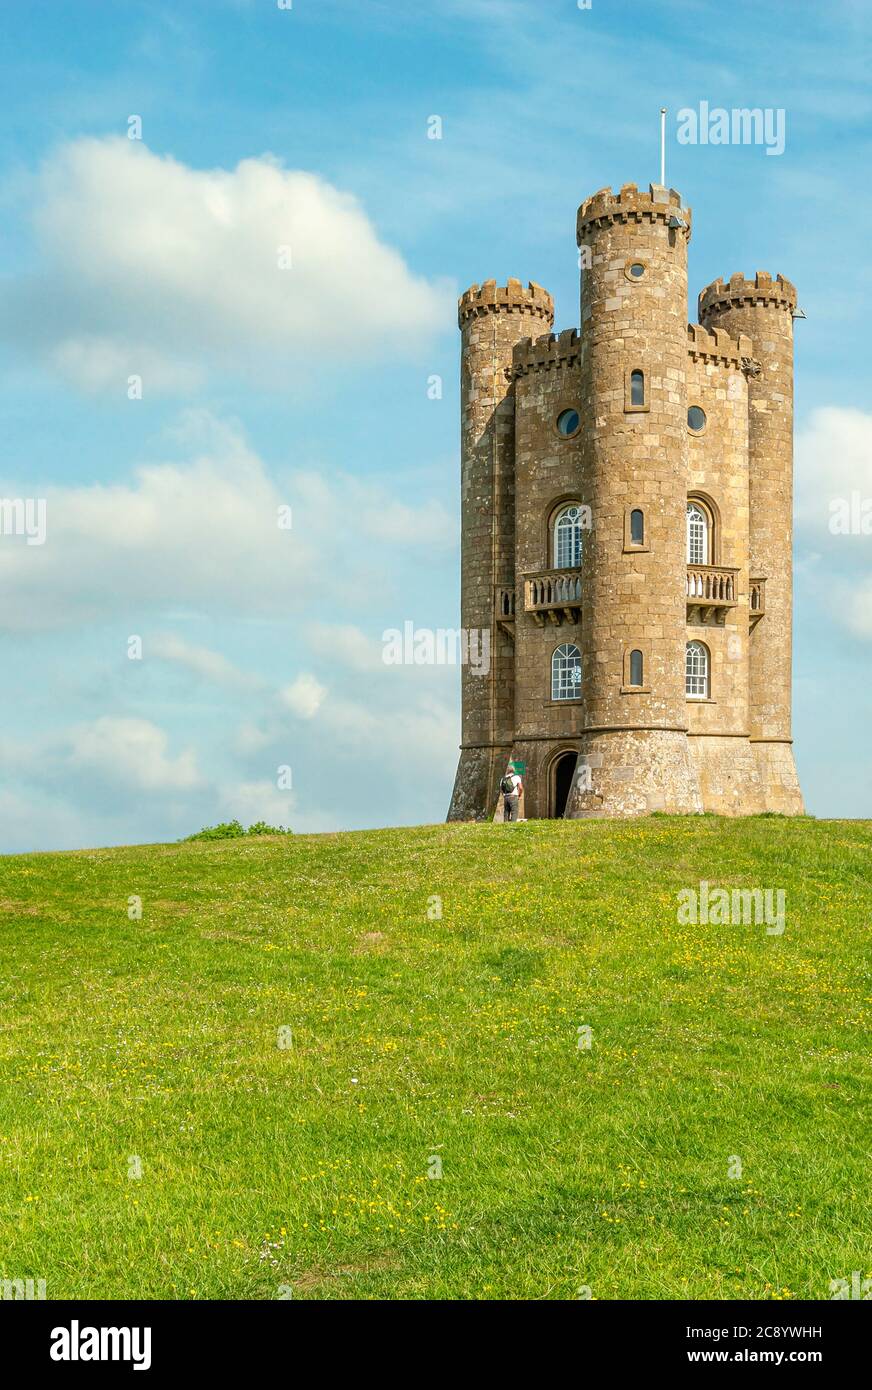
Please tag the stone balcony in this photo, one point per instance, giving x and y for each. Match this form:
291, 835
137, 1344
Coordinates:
553, 596
710, 590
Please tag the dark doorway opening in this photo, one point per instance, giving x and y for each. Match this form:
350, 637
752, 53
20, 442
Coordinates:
563, 770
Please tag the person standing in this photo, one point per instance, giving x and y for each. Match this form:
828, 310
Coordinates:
511, 787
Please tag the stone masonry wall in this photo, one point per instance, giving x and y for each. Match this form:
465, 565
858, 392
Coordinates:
762, 309
492, 319
633, 597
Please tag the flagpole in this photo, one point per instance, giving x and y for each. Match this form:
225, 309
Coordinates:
663, 146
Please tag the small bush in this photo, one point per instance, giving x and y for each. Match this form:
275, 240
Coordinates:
261, 828
233, 829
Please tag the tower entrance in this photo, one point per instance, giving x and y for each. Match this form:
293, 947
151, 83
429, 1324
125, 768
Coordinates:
561, 780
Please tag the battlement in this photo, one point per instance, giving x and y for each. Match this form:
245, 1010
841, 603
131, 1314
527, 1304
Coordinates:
763, 289
658, 204
512, 297
716, 345
551, 350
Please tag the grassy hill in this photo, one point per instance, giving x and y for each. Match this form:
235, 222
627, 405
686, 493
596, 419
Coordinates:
276, 1164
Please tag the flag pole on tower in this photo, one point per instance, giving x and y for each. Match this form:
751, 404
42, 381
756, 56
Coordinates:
663, 146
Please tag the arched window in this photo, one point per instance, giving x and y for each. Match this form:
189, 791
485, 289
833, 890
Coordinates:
697, 535
566, 672
696, 671
636, 668
637, 388
567, 537
637, 527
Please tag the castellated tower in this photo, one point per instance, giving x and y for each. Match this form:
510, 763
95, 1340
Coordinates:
493, 319
763, 309
634, 422
626, 519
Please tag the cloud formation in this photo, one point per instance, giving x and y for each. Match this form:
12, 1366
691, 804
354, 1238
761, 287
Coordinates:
148, 267
133, 754
205, 534
834, 515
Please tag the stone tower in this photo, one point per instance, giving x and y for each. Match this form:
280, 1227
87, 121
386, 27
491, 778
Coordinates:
763, 309
634, 322
626, 510
493, 319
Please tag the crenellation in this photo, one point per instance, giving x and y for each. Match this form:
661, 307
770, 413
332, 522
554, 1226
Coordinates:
632, 205
549, 350
718, 346
512, 297
738, 290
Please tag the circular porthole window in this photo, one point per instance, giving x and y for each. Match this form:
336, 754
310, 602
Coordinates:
637, 270
567, 422
696, 419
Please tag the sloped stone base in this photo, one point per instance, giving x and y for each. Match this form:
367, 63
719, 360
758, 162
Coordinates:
476, 785
728, 773
632, 773
778, 778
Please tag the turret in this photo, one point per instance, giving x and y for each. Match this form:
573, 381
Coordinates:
763, 309
633, 411
493, 319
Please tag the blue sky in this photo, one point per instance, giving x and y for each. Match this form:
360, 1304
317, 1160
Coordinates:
306, 386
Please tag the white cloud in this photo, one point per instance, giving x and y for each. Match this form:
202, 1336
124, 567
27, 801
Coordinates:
344, 644
415, 739
833, 459
855, 606
154, 268
255, 801
201, 661
134, 754
834, 480
251, 737
202, 532
303, 697
201, 536
398, 524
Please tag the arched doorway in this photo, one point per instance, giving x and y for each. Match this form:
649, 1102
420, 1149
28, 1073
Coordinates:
561, 780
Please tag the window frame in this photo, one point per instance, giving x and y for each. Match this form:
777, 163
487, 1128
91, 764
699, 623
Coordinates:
577, 544
563, 653
630, 408
561, 410
636, 644
629, 543
698, 505
689, 675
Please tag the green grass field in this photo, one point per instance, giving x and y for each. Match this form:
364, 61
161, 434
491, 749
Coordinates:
159, 1046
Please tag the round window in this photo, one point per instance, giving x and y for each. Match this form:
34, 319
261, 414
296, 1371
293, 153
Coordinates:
567, 422
696, 418
637, 270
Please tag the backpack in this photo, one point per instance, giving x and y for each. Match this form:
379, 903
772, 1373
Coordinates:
507, 786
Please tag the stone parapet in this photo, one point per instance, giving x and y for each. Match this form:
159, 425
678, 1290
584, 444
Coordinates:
511, 298
738, 290
551, 350
632, 204
719, 346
